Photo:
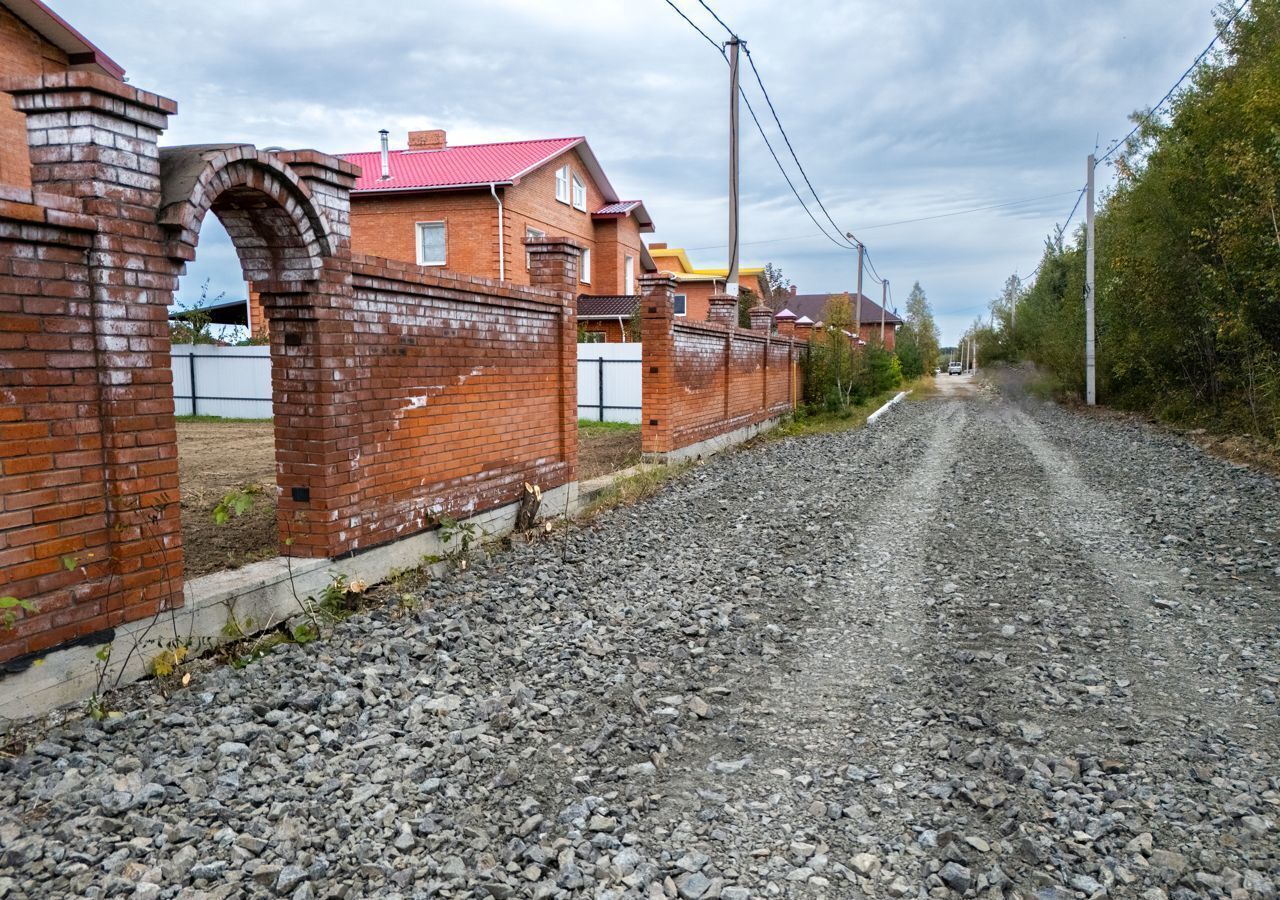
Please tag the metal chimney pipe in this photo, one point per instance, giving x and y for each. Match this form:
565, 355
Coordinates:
386, 162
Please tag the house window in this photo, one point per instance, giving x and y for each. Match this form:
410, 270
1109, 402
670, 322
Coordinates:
531, 233
585, 274
562, 184
629, 275
579, 194
431, 244
679, 304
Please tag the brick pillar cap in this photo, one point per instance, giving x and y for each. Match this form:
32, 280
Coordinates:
87, 83
786, 316
553, 243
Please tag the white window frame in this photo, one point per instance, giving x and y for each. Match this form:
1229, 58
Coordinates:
531, 232
584, 268
418, 229
579, 193
682, 300
629, 275
562, 184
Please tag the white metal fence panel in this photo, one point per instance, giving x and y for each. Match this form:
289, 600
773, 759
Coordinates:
609, 379
232, 382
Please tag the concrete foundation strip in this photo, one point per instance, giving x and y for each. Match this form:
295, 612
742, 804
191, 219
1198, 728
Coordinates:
871, 419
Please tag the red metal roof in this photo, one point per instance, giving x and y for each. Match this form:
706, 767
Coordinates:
472, 165
621, 208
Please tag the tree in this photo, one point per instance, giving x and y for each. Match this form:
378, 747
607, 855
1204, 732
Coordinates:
196, 324
919, 333
775, 287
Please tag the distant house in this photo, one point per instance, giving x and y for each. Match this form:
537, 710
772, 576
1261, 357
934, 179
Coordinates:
469, 209
695, 286
607, 320
811, 306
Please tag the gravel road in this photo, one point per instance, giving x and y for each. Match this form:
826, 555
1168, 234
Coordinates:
982, 649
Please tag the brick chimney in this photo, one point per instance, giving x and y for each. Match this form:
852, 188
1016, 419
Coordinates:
793, 290
427, 140
658, 246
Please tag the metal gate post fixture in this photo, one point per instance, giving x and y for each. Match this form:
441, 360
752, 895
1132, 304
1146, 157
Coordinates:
600, 394
191, 366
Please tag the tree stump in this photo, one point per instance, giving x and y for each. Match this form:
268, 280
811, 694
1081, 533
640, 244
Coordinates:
530, 503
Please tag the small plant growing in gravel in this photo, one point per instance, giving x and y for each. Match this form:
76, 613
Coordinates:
458, 538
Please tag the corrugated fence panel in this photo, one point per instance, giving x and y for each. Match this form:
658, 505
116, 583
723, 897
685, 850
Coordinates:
616, 368
231, 382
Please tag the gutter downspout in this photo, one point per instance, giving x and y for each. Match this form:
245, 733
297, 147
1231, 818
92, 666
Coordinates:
623, 328
502, 261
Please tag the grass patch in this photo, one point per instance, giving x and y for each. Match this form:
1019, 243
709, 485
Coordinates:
591, 426
218, 419
634, 488
804, 422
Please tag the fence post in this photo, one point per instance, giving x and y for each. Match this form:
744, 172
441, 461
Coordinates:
657, 363
600, 394
191, 367
553, 263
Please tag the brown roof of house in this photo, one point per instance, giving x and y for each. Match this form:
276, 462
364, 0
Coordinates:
811, 305
591, 306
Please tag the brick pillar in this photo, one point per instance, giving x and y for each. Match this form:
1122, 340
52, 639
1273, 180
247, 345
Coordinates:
312, 367
553, 264
761, 318
803, 328
722, 309
94, 139
258, 323
786, 321
657, 361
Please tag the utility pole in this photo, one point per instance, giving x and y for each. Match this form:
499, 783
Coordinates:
731, 283
857, 302
884, 301
1090, 346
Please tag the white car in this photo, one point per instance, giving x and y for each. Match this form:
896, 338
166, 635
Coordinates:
954, 369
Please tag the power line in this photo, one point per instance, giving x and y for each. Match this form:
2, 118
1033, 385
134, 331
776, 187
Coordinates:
778, 122
1146, 117
839, 242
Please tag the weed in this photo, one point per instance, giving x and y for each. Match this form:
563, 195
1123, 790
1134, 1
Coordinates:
236, 502
8, 605
634, 488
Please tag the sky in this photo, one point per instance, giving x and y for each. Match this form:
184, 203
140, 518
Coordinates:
898, 109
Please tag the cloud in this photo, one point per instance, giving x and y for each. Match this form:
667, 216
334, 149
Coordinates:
898, 108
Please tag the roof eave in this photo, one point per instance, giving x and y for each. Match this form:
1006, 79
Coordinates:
57, 31
472, 186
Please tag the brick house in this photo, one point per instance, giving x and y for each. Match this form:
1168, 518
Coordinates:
34, 40
608, 320
695, 286
811, 306
468, 209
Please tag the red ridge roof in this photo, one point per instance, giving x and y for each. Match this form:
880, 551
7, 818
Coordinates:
462, 166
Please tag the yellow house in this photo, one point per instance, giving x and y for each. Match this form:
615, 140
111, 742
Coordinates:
695, 286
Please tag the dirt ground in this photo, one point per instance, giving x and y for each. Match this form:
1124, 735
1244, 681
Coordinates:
215, 457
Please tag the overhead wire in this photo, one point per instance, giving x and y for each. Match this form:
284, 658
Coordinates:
1146, 117
839, 241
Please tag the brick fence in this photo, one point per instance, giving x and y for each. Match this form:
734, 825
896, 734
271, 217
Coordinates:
400, 395
709, 384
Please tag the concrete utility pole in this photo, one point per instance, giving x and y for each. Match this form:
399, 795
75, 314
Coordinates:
731, 283
884, 301
857, 302
1090, 347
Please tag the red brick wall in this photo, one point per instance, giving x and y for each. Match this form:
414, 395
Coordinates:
400, 393
23, 53
702, 380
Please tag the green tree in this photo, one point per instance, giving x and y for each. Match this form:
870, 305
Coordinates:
919, 334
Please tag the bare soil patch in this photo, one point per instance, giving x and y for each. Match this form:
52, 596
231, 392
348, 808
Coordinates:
213, 458
605, 447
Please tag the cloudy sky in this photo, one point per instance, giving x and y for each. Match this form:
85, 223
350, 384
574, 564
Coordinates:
899, 109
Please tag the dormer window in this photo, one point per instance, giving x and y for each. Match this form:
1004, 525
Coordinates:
579, 194
562, 184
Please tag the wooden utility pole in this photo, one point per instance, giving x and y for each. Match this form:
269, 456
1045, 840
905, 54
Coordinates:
731, 283
1090, 346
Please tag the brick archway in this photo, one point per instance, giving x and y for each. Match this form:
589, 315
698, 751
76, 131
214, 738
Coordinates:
280, 233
